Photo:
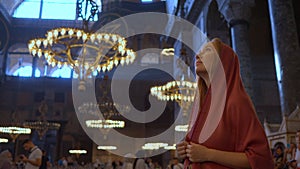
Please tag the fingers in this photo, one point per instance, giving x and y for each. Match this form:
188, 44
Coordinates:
181, 149
183, 143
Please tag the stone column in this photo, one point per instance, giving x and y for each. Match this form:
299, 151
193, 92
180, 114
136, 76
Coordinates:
237, 14
34, 66
286, 53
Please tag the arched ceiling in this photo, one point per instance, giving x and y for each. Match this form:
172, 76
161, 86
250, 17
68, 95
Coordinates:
9, 6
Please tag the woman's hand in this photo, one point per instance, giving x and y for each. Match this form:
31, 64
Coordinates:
181, 149
197, 152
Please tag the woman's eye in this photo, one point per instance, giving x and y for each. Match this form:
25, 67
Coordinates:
207, 49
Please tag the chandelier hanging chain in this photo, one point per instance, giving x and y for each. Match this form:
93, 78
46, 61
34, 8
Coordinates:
85, 17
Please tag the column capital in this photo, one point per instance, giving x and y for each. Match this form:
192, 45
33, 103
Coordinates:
236, 11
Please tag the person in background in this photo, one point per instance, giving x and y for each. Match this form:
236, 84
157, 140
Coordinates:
224, 129
290, 152
34, 159
45, 161
149, 163
140, 162
297, 156
292, 164
177, 164
278, 158
128, 161
5, 160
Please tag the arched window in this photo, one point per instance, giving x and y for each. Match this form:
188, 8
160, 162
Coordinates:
19, 62
146, 1
26, 71
64, 72
50, 9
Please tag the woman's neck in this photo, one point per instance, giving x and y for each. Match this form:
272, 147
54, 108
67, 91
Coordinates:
206, 79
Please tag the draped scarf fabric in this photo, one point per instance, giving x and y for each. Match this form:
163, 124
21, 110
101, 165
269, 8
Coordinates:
233, 126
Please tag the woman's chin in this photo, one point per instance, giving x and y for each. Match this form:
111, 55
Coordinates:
200, 72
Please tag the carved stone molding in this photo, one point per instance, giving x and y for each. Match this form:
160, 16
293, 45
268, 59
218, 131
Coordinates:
236, 12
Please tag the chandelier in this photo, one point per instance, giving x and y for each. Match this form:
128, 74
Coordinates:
159, 145
14, 131
42, 125
107, 147
107, 108
105, 104
85, 52
15, 128
105, 124
182, 91
175, 91
3, 140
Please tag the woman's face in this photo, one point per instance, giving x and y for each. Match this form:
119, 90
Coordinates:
278, 151
207, 55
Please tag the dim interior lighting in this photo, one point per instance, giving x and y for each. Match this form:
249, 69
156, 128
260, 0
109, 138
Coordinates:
172, 147
181, 128
77, 151
106, 147
168, 52
105, 124
175, 91
3, 140
15, 130
154, 146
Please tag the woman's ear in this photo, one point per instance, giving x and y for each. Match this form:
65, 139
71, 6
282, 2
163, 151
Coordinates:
217, 44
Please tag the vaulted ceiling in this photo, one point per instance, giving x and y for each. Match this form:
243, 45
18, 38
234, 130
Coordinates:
8, 6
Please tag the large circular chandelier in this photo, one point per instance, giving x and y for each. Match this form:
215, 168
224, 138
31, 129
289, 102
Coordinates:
183, 92
83, 51
175, 91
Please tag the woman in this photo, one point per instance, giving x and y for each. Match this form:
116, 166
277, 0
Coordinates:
5, 160
278, 158
224, 130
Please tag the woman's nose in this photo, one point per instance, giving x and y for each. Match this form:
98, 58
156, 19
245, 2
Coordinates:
199, 57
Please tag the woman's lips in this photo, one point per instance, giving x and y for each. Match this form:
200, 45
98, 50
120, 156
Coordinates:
198, 62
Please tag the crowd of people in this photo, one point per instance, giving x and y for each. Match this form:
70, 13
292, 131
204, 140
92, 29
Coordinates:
37, 159
287, 157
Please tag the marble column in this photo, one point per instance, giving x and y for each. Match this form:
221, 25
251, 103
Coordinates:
286, 53
237, 14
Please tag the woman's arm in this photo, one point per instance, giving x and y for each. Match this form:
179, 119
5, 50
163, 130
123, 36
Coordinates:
200, 153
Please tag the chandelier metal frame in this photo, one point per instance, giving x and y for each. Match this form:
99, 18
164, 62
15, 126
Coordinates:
81, 49
42, 125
